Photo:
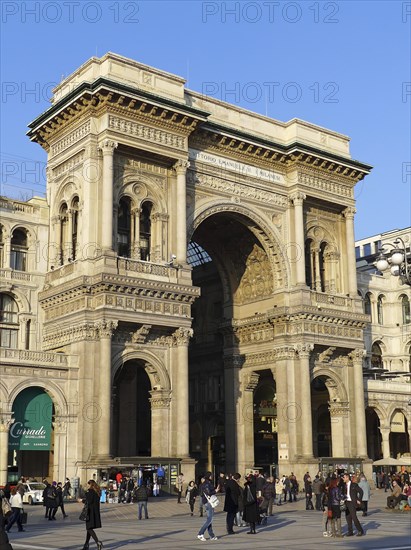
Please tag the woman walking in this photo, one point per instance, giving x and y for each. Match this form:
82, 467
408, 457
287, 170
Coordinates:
93, 514
250, 514
335, 496
191, 495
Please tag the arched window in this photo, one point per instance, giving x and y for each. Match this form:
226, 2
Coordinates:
18, 255
406, 312
309, 267
145, 231
322, 267
124, 227
65, 238
74, 227
380, 310
9, 327
367, 304
376, 356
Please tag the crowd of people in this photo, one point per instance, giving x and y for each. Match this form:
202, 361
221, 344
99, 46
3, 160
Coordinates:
246, 503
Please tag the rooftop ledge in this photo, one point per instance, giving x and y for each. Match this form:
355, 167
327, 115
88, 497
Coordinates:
168, 86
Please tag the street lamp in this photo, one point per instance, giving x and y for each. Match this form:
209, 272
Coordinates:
396, 260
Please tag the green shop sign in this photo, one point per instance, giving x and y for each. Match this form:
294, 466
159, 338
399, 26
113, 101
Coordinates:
31, 430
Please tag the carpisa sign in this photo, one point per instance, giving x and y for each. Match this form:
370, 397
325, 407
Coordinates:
31, 429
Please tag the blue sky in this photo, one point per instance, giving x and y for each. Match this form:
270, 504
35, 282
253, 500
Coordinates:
342, 65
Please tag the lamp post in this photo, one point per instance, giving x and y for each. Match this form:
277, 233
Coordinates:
397, 260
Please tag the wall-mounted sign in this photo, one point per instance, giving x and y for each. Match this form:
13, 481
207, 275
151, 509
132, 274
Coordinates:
31, 430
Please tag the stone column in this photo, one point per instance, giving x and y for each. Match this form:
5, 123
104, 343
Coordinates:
105, 332
304, 377
69, 244
357, 357
182, 337
245, 420
6, 420
385, 443
350, 241
135, 233
107, 148
181, 211
160, 407
297, 199
60, 448
58, 245
232, 366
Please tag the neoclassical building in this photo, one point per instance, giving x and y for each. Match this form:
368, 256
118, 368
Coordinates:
188, 290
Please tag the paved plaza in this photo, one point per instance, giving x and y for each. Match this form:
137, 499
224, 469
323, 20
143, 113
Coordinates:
170, 526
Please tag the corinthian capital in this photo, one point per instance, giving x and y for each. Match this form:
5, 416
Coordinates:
357, 355
181, 166
182, 336
297, 198
349, 213
304, 350
107, 146
106, 328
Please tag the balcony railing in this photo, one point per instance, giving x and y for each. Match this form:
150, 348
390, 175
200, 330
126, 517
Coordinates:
11, 274
38, 358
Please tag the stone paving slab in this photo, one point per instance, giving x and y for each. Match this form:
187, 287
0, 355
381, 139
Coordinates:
171, 527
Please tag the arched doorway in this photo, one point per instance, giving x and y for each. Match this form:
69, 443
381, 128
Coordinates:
399, 440
322, 441
232, 268
31, 438
132, 410
374, 448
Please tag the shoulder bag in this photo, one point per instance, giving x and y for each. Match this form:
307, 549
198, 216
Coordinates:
250, 498
84, 515
5, 506
213, 500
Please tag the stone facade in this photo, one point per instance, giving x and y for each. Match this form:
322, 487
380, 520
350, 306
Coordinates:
185, 354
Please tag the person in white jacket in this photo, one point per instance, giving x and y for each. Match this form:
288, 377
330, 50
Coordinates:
16, 503
279, 490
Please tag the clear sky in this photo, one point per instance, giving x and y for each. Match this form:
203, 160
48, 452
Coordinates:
342, 65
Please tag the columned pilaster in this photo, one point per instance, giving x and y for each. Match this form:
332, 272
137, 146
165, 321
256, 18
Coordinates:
6, 420
69, 243
339, 413
285, 415
181, 167
56, 245
107, 147
385, 443
160, 407
357, 357
350, 241
304, 377
245, 421
298, 200
182, 336
60, 448
103, 398
135, 233
232, 369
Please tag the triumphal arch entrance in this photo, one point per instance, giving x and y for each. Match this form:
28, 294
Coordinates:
201, 272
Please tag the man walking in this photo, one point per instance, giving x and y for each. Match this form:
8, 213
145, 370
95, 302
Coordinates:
232, 496
208, 490
353, 494
318, 489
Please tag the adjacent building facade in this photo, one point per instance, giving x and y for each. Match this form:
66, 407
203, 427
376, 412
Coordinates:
188, 290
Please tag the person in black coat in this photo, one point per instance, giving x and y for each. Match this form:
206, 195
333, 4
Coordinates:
52, 500
60, 499
308, 494
353, 498
250, 514
232, 497
92, 500
4, 539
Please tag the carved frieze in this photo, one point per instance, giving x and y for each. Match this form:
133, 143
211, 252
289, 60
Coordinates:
146, 133
68, 165
328, 185
71, 138
235, 188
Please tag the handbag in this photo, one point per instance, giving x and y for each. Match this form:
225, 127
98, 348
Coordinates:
5, 506
343, 506
250, 498
213, 500
84, 516
23, 517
